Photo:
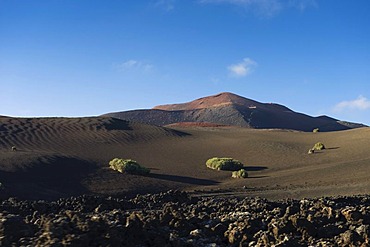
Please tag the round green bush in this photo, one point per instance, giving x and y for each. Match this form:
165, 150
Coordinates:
319, 146
239, 174
227, 164
128, 166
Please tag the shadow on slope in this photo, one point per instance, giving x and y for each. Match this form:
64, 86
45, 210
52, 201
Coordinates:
254, 168
117, 124
47, 177
183, 179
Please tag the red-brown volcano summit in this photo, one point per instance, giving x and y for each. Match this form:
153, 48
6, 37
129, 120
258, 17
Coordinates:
218, 100
233, 110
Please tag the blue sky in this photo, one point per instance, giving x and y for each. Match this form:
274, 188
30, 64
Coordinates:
89, 57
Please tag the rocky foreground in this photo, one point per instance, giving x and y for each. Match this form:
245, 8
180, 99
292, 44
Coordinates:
177, 219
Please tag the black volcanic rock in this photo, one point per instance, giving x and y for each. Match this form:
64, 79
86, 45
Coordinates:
234, 110
175, 218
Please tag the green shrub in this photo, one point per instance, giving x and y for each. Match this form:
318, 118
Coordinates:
128, 166
319, 146
239, 174
227, 164
316, 130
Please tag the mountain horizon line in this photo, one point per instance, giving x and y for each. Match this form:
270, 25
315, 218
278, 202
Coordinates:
230, 109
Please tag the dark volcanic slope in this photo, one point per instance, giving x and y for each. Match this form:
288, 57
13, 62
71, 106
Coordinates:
59, 157
55, 154
231, 109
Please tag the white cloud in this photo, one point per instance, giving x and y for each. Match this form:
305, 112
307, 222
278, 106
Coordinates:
167, 5
302, 4
243, 68
361, 103
129, 64
266, 8
134, 65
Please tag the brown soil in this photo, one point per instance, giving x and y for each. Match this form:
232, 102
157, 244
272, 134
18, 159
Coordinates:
217, 100
69, 156
195, 124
